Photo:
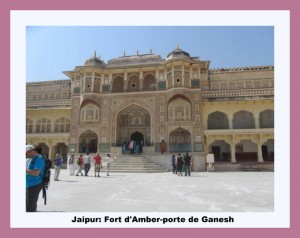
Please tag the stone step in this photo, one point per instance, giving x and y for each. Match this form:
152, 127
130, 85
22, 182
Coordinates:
135, 164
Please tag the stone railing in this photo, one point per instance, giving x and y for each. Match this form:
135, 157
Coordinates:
248, 93
65, 103
239, 69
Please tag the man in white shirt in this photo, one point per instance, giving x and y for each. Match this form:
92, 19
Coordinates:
87, 163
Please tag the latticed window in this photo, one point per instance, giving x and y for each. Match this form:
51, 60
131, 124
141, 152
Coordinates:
43, 126
179, 110
266, 119
243, 120
62, 125
89, 113
217, 120
29, 125
149, 82
133, 83
118, 84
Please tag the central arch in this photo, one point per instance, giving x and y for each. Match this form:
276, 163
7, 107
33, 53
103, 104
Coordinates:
88, 142
130, 120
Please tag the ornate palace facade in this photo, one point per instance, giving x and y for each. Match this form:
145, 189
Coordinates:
228, 112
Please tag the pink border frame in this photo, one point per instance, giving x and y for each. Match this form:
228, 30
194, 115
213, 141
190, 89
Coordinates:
7, 5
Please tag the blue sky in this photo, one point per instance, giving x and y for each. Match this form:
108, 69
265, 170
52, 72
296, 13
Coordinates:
52, 50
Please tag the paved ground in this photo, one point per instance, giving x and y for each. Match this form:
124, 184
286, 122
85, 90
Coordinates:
161, 192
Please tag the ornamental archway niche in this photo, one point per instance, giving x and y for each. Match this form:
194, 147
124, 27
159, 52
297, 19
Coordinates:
88, 142
130, 120
180, 141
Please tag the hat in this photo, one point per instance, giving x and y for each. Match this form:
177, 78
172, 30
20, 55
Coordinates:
29, 147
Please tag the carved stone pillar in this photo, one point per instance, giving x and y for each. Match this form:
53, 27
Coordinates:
93, 82
125, 82
232, 148
259, 150
256, 122
141, 80
230, 119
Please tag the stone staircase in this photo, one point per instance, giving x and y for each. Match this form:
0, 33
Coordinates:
135, 164
249, 167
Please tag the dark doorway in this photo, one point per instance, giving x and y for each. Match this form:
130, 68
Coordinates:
264, 149
216, 150
139, 141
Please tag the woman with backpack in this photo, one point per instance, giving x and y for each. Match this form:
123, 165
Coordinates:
80, 163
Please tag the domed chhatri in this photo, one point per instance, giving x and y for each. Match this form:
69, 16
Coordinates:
96, 61
178, 54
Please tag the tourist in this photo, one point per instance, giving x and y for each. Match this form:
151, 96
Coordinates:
97, 160
72, 164
58, 163
131, 146
179, 164
87, 163
108, 161
187, 162
125, 147
174, 164
162, 147
80, 163
34, 175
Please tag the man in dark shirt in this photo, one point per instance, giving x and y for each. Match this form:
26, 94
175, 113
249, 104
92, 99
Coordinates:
187, 161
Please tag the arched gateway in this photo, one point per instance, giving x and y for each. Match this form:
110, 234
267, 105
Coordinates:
88, 142
133, 121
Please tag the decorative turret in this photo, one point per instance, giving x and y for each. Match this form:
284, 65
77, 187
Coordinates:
178, 54
94, 61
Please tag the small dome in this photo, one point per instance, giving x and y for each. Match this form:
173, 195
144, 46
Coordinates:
94, 61
178, 54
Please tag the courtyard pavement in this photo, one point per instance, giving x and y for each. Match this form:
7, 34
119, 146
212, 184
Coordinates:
161, 192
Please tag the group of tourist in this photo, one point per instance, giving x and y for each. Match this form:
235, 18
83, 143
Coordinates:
132, 147
35, 166
182, 164
84, 162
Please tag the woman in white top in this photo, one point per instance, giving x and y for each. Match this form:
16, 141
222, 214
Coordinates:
108, 161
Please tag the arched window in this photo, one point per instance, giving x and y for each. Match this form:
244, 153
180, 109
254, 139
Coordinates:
43, 125
118, 84
266, 119
89, 113
149, 83
217, 120
179, 109
133, 83
29, 126
62, 125
243, 120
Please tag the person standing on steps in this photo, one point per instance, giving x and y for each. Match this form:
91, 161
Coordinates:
162, 147
108, 161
